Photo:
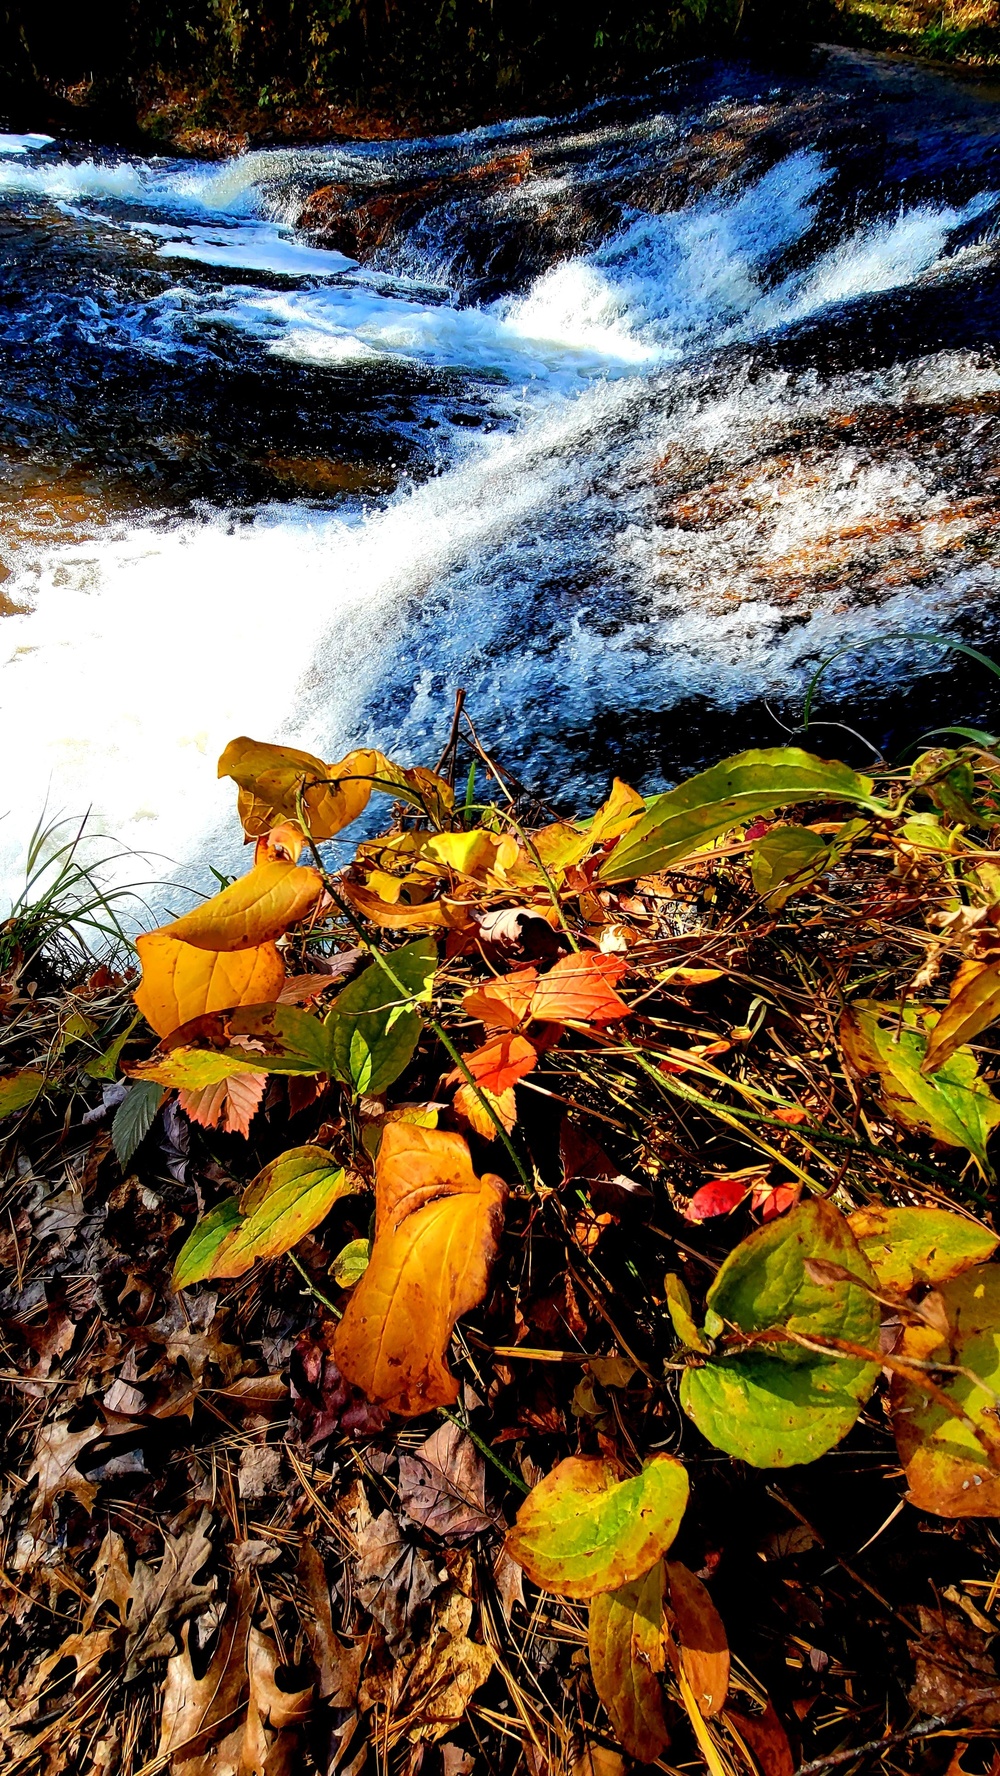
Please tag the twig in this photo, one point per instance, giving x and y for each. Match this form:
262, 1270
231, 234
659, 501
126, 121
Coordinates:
923, 1730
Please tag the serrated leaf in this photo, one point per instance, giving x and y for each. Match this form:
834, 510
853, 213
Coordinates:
908, 1247
198, 1253
286, 1201
134, 1118
436, 1231
18, 1090
181, 982
582, 1531
193, 1069
625, 1640
715, 801
973, 1009
947, 1468
775, 1404
271, 1038
955, 1106
253, 910
373, 1030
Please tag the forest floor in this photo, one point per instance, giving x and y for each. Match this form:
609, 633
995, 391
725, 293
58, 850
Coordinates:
265, 1448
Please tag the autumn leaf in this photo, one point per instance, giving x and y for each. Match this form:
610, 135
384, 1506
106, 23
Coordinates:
582, 1531
286, 1200
196, 1070
468, 1104
502, 1004
231, 1104
271, 779
442, 1485
253, 910
436, 1228
974, 1007
712, 803
18, 1090
622, 810
501, 1062
720, 1197
579, 989
181, 982
907, 1247
625, 1639
396, 915
196, 1258
697, 1634
947, 1467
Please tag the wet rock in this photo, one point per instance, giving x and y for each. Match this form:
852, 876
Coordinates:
358, 223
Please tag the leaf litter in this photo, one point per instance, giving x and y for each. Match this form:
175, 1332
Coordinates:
531, 1237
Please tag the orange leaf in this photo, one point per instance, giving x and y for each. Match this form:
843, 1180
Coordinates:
230, 1105
396, 915
282, 842
503, 1004
255, 909
501, 1062
468, 1106
700, 1638
579, 989
180, 982
436, 1229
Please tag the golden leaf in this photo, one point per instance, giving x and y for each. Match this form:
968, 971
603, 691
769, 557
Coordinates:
180, 982
253, 910
436, 1229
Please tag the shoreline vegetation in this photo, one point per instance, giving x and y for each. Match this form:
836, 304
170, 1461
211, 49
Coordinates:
522, 1300
190, 77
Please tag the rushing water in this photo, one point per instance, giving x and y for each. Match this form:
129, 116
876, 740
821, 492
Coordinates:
622, 447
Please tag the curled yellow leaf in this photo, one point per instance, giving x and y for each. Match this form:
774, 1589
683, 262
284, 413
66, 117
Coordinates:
255, 909
181, 982
436, 1230
271, 780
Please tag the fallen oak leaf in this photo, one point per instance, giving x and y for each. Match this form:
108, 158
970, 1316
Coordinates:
436, 1230
442, 1485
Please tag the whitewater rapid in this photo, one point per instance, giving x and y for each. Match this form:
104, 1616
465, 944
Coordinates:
538, 561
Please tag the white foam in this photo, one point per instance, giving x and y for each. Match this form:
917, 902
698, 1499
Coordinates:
247, 246
26, 144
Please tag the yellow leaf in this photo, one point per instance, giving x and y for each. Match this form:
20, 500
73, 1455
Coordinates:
395, 916
181, 982
974, 1006
623, 808
18, 1090
626, 1643
256, 909
192, 1069
471, 1109
271, 779
906, 1247
467, 853
582, 1531
436, 1228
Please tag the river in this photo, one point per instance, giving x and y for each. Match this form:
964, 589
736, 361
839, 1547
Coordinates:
622, 442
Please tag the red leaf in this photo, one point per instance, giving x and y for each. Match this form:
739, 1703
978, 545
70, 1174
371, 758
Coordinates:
501, 1062
720, 1197
774, 1199
503, 1004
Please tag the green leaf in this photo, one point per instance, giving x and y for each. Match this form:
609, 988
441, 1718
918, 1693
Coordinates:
373, 1032
350, 1264
192, 1069
581, 1531
134, 1118
199, 1251
954, 1106
105, 1066
682, 1319
751, 783
280, 1039
626, 1642
18, 1090
947, 1467
785, 860
775, 1403
286, 1200
907, 1247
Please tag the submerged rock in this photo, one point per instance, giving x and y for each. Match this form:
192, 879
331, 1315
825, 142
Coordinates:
358, 223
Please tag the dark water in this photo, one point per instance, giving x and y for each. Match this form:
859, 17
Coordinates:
621, 440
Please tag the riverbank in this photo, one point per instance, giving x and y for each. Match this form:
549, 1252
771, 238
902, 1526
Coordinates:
608, 1079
